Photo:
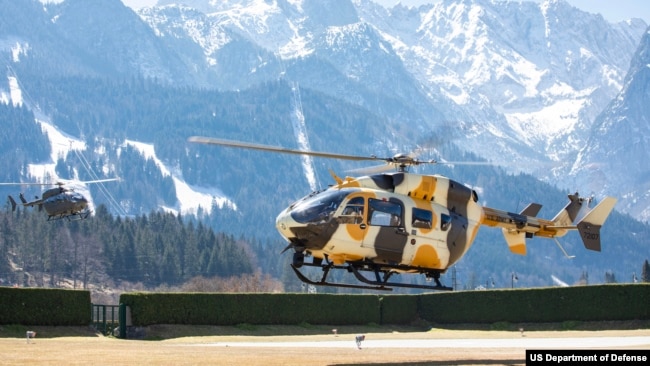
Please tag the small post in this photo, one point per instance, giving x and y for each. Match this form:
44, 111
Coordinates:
359, 338
30, 334
122, 320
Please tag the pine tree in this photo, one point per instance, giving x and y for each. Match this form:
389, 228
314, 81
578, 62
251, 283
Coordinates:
645, 272
584, 278
610, 277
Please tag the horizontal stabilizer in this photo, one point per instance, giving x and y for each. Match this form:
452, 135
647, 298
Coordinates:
589, 226
516, 241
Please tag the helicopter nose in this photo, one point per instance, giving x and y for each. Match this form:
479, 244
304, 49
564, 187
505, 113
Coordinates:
284, 223
82, 202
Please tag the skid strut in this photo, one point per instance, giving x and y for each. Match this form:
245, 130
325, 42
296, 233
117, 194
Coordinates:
380, 282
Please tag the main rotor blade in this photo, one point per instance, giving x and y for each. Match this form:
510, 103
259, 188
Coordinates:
246, 145
60, 182
98, 180
376, 169
464, 162
26, 184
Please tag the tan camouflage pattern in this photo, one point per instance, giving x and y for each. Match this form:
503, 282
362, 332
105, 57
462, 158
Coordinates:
436, 243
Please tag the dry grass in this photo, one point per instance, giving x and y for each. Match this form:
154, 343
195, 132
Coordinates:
193, 345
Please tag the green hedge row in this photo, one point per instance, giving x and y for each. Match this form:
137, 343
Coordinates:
581, 303
38, 306
540, 305
236, 308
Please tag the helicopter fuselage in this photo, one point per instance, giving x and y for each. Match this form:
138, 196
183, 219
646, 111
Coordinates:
60, 202
65, 203
406, 222
402, 222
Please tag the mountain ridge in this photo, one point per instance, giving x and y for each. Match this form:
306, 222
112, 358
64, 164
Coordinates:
406, 79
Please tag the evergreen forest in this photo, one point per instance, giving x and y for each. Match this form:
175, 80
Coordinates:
146, 252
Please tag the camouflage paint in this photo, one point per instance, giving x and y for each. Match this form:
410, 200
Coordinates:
421, 249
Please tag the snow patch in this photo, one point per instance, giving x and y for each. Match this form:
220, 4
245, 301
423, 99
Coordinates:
15, 94
17, 50
190, 198
300, 132
297, 47
61, 144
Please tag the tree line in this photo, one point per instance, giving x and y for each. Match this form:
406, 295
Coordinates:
158, 249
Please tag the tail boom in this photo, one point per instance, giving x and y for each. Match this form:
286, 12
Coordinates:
517, 227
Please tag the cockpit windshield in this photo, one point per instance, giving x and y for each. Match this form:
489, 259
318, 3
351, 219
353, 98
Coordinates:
318, 208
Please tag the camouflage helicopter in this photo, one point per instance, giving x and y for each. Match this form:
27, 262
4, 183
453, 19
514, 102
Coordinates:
59, 202
401, 222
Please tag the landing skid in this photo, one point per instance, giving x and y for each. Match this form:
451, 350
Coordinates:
71, 217
379, 283
323, 280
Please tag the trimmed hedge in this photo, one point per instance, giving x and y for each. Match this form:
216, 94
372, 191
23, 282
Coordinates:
238, 308
34, 306
398, 309
539, 305
557, 304
38, 306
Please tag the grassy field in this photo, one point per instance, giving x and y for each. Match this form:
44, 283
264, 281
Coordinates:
194, 345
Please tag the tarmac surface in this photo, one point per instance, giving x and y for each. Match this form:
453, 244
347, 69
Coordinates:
637, 342
213, 346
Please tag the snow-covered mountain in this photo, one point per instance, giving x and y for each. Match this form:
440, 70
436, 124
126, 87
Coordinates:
616, 154
519, 83
526, 79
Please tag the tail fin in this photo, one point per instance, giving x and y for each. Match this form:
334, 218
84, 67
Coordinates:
531, 210
22, 198
589, 226
570, 212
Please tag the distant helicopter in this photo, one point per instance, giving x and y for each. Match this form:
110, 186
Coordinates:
59, 202
402, 222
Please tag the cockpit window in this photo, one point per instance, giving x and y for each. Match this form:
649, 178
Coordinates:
319, 207
384, 213
353, 211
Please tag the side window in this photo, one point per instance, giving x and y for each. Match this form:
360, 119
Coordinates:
353, 211
445, 222
422, 218
384, 213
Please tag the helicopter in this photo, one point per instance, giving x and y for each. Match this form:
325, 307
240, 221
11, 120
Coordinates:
376, 226
59, 202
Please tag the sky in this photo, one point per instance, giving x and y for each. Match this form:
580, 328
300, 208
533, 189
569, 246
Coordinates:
612, 10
